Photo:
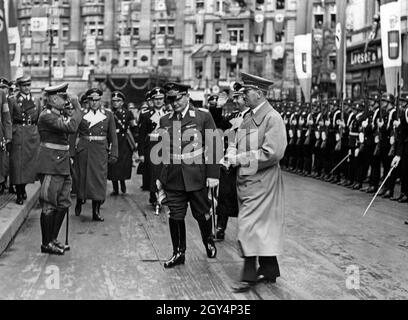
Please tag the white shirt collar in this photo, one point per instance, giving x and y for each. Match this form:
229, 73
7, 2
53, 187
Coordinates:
255, 110
183, 114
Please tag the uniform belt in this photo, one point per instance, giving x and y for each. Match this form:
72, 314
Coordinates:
54, 146
94, 138
186, 156
25, 123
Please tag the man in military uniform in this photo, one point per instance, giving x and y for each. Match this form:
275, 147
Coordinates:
97, 146
189, 172
53, 164
401, 157
5, 133
149, 123
24, 112
124, 120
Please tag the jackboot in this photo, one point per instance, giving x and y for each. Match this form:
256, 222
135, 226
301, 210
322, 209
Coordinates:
58, 220
47, 226
206, 235
178, 239
96, 216
23, 191
20, 199
123, 186
78, 207
115, 185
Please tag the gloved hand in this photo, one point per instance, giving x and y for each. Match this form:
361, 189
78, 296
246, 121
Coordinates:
142, 159
212, 183
395, 162
112, 159
8, 147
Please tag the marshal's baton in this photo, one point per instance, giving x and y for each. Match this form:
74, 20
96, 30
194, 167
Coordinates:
379, 189
213, 214
341, 162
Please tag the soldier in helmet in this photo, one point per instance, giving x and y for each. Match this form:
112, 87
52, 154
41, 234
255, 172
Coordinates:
5, 133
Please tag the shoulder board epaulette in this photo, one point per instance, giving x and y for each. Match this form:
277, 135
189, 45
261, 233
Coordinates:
203, 109
145, 111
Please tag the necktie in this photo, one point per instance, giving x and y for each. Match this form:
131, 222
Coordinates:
179, 116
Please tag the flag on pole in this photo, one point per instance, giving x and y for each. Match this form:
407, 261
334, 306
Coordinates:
341, 6
39, 24
5, 68
303, 46
13, 37
390, 12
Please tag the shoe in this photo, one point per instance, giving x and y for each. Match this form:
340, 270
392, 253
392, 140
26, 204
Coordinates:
19, 200
211, 250
382, 192
25, 195
371, 190
365, 189
2, 188
388, 194
61, 246
404, 199
123, 187
114, 193
397, 198
96, 216
357, 186
242, 287
12, 190
177, 259
220, 234
52, 249
406, 223
262, 279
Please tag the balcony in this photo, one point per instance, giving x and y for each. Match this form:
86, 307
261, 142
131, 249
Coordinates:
24, 13
92, 10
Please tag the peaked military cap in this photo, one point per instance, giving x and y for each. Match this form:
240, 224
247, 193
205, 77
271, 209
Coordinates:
147, 95
94, 94
4, 83
118, 95
237, 89
23, 81
157, 93
254, 82
175, 90
213, 98
388, 97
84, 98
57, 90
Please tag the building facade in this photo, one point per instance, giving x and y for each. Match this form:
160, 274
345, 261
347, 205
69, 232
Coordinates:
135, 45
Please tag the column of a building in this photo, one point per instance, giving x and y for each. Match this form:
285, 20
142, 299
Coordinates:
223, 67
108, 49
73, 51
144, 50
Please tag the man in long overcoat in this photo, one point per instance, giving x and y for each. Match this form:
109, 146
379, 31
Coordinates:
97, 145
24, 112
261, 144
5, 133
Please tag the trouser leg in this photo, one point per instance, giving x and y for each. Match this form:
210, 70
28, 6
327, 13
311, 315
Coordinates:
269, 267
115, 186
249, 270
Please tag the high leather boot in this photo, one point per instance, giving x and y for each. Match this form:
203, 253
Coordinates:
96, 216
23, 191
19, 192
78, 207
58, 220
47, 226
123, 186
178, 239
115, 185
206, 235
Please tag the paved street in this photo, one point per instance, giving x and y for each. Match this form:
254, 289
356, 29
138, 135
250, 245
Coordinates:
123, 257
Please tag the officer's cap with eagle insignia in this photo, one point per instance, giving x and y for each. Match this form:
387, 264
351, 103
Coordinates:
94, 94
157, 93
254, 82
4, 83
117, 95
237, 89
147, 95
23, 81
60, 89
175, 91
213, 98
388, 97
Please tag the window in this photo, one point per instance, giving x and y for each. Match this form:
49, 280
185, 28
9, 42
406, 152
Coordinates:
136, 31
170, 30
234, 67
217, 69
333, 21
279, 36
319, 19
199, 5
198, 69
199, 38
280, 4
236, 33
259, 38
218, 35
162, 30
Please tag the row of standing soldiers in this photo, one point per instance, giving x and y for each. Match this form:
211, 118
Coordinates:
346, 142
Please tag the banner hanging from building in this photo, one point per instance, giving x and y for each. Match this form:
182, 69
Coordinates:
390, 12
303, 46
341, 6
5, 68
13, 37
39, 24
279, 22
259, 22
200, 23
